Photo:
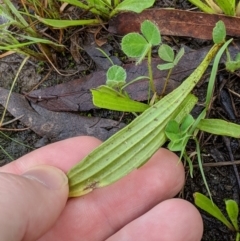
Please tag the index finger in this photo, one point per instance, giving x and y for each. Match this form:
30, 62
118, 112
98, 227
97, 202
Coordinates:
62, 154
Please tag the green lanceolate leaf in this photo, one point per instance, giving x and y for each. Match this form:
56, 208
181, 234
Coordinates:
219, 127
219, 32
132, 5
151, 32
232, 210
132, 146
208, 206
116, 76
228, 7
201, 5
108, 98
125, 151
57, 23
232, 66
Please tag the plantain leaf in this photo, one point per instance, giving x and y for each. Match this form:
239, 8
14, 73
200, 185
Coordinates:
108, 98
219, 127
58, 23
233, 211
133, 5
132, 146
208, 206
228, 7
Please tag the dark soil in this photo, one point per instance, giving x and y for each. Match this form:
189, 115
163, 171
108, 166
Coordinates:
222, 180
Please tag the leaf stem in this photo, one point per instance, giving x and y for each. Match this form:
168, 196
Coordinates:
150, 71
166, 81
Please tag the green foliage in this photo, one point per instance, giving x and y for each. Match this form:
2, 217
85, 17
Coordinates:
132, 146
219, 127
116, 76
208, 206
135, 45
232, 65
211, 208
151, 32
219, 33
105, 9
177, 133
232, 211
24, 35
108, 98
166, 53
132, 5
227, 7
56, 23
139, 46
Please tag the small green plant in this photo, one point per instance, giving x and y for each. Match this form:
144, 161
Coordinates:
23, 36
232, 65
104, 9
138, 46
218, 6
132, 146
112, 95
179, 135
232, 210
177, 132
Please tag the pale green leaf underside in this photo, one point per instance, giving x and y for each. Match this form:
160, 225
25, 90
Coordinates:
132, 146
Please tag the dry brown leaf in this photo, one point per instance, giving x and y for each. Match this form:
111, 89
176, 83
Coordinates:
175, 22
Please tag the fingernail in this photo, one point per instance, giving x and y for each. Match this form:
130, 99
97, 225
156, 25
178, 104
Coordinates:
49, 176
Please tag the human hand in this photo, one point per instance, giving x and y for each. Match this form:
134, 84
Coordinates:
34, 206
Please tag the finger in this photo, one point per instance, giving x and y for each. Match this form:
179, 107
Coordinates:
31, 203
62, 154
173, 219
108, 209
